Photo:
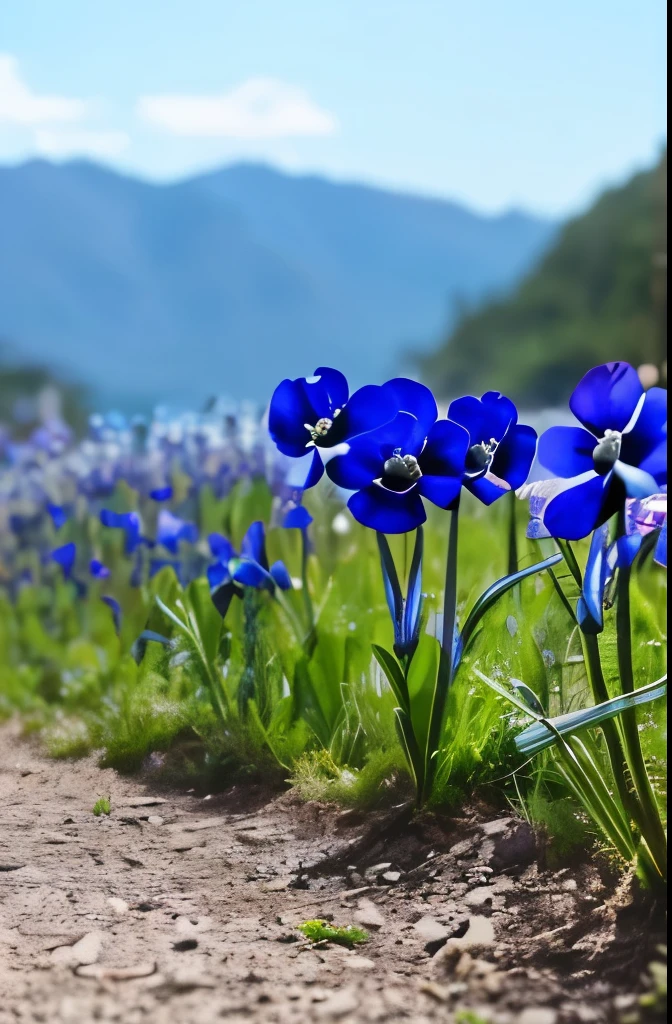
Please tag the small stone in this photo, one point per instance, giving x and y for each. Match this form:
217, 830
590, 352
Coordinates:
434, 934
198, 826
338, 1005
477, 897
496, 827
183, 843
391, 876
359, 963
86, 951
538, 1015
369, 915
118, 905
378, 869
438, 992
115, 973
155, 819
143, 801
277, 884
570, 884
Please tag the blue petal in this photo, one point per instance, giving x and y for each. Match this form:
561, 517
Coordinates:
485, 418
97, 569
58, 515
446, 450
590, 608
649, 430
575, 513
486, 488
315, 472
114, 605
567, 451
281, 576
387, 511
298, 518
217, 575
655, 464
660, 554
367, 453
410, 396
627, 549
515, 455
251, 574
290, 409
65, 557
638, 483
171, 530
606, 397
441, 490
221, 547
369, 408
253, 545
326, 394
161, 494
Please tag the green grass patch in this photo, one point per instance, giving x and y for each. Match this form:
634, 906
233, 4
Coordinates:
102, 806
321, 931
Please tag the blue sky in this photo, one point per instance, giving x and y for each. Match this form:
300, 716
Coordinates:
493, 103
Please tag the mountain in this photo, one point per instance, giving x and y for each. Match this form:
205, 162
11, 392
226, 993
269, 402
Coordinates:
228, 281
597, 295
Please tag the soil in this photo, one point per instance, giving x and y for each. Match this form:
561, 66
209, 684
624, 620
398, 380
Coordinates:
179, 909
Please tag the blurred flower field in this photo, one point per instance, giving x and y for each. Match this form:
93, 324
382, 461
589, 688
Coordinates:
172, 594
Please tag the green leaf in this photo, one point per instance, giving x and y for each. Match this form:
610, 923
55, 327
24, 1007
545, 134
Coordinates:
393, 673
493, 593
543, 733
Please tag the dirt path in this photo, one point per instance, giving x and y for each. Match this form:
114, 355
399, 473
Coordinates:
183, 910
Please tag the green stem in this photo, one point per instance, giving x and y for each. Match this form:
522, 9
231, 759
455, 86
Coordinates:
650, 823
307, 601
513, 537
598, 686
445, 671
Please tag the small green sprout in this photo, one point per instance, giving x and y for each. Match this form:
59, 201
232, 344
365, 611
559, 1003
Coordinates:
102, 806
322, 931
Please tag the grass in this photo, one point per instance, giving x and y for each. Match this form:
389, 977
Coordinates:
321, 931
102, 806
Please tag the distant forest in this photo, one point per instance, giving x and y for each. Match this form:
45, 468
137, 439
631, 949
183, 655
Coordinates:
598, 294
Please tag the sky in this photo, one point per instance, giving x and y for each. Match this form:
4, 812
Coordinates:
495, 103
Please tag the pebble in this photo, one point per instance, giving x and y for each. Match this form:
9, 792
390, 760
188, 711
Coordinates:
155, 819
359, 963
86, 951
431, 930
538, 1015
477, 897
378, 869
391, 876
144, 801
338, 1005
118, 905
369, 915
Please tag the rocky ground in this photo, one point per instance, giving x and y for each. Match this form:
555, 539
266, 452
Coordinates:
180, 909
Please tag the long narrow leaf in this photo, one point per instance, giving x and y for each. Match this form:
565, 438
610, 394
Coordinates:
393, 674
539, 736
493, 593
513, 698
409, 746
393, 594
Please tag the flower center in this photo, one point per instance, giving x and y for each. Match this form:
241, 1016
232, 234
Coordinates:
402, 467
479, 457
321, 428
607, 452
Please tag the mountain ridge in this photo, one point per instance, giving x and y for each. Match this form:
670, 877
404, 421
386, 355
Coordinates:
226, 281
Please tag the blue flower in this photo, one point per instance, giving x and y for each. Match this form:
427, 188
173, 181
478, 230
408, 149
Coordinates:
59, 516
250, 568
618, 452
98, 570
129, 522
171, 530
410, 458
317, 413
644, 516
298, 518
161, 493
65, 557
501, 450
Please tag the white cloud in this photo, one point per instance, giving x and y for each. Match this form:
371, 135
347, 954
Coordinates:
259, 108
66, 143
18, 105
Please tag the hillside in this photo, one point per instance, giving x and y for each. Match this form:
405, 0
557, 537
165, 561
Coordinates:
597, 295
228, 281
